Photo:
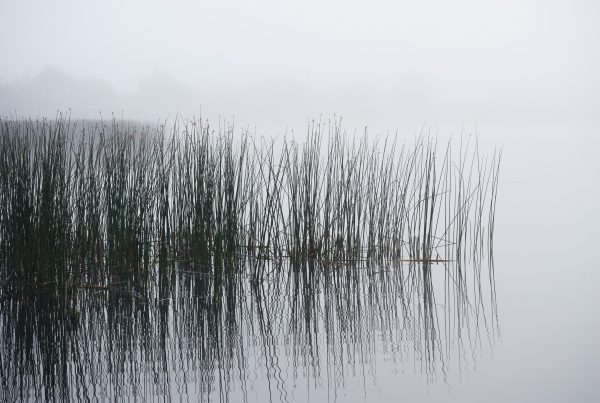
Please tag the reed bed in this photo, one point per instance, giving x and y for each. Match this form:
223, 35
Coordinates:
192, 250
88, 203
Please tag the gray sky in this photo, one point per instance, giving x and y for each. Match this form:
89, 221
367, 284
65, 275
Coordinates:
460, 57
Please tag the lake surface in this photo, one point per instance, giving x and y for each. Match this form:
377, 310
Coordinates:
354, 334
546, 271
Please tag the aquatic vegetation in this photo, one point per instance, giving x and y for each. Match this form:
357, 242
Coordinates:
116, 195
213, 243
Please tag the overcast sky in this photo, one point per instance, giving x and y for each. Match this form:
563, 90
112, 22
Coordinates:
545, 54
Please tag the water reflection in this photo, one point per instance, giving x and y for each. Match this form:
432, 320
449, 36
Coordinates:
194, 335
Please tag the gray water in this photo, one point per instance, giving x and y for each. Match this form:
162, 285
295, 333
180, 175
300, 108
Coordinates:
318, 337
547, 277
547, 273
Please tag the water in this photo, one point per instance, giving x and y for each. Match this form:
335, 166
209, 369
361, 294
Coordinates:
352, 334
312, 332
546, 271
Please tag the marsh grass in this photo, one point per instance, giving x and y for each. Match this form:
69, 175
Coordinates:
156, 239
94, 202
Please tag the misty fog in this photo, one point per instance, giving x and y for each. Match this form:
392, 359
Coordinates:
522, 75
269, 65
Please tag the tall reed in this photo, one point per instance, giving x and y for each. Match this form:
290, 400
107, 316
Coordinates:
143, 237
95, 202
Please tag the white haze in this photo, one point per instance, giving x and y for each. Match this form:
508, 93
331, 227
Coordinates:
526, 74
273, 64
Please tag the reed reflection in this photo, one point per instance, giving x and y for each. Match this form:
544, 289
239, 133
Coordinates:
141, 265
198, 335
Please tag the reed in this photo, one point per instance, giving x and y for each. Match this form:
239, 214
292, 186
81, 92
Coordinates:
93, 202
188, 250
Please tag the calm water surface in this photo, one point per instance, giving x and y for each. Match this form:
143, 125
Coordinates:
347, 333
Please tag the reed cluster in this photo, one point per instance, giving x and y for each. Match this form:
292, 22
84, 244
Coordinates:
88, 202
130, 247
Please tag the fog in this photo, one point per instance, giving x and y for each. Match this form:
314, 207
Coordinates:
271, 66
524, 75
